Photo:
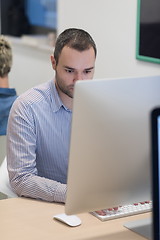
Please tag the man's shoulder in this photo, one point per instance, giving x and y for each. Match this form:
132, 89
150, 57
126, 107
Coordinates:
36, 94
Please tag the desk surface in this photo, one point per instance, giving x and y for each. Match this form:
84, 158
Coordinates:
22, 218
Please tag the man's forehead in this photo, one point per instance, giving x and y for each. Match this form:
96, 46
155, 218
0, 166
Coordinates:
68, 49
73, 59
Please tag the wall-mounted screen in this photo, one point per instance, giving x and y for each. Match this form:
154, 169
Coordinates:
27, 17
148, 30
42, 13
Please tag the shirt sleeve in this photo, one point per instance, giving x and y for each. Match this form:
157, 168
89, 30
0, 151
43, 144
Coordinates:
21, 158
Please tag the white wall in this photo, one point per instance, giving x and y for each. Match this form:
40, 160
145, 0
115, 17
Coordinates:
31, 66
112, 23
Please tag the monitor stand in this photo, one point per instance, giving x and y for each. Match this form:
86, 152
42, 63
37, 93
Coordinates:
142, 227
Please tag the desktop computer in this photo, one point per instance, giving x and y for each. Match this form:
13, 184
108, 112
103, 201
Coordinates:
155, 130
110, 153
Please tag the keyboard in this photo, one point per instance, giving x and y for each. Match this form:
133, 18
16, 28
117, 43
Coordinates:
124, 211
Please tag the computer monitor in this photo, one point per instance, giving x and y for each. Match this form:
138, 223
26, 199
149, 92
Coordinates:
155, 127
109, 162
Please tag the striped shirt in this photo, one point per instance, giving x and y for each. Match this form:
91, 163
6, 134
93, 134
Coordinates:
38, 138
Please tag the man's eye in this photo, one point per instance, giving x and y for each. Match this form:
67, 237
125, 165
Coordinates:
88, 71
69, 70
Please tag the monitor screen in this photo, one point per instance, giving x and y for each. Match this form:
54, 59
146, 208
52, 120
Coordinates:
42, 13
28, 17
148, 30
155, 120
110, 154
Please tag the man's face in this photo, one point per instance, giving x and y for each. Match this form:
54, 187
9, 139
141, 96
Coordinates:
73, 65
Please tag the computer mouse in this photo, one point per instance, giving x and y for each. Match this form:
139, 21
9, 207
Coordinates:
70, 220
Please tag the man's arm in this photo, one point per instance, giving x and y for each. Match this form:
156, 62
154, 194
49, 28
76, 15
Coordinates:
21, 158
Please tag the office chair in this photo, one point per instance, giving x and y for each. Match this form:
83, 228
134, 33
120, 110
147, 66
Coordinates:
5, 186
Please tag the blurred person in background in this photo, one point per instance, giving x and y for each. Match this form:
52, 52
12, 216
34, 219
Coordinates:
7, 94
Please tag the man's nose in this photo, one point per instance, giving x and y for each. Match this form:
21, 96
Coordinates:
78, 76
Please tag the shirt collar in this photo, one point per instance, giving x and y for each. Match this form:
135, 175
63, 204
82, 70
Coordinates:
56, 101
7, 92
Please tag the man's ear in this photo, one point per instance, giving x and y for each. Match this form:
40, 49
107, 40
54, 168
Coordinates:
53, 61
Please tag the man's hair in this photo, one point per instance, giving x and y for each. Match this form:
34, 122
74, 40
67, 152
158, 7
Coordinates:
5, 57
77, 39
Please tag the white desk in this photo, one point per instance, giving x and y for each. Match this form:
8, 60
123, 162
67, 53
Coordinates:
28, 219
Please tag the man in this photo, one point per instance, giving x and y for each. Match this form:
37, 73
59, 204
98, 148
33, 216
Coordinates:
39, 124
7, 95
